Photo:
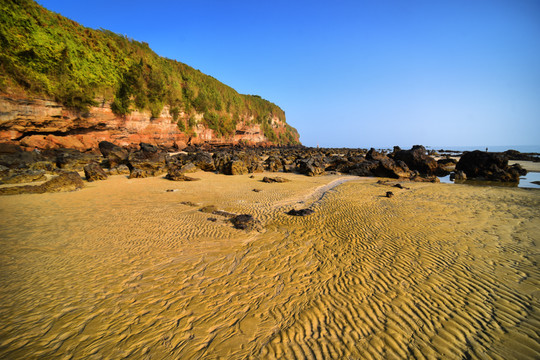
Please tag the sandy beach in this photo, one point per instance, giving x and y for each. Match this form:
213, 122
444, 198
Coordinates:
125, 269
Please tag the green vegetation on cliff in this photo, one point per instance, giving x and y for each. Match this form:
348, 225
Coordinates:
44, 53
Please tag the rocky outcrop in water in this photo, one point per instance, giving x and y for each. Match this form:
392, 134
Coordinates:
489, 166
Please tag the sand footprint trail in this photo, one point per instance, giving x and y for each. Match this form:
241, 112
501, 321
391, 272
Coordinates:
432, 272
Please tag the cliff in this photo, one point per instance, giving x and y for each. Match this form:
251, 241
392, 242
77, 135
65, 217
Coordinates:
65, 85
45, 124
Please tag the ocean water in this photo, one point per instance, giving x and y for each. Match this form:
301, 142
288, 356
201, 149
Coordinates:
493, 148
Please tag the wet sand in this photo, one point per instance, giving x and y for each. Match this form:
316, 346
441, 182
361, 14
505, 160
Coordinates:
123, 269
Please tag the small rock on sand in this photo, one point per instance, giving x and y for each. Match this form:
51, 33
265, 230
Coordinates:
301, 212
276, 179
245, 222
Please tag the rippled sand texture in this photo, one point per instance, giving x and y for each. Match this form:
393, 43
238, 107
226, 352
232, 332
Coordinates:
122, 269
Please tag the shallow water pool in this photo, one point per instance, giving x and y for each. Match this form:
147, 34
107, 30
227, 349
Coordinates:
524, 181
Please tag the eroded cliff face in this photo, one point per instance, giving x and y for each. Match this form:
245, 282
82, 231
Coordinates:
45, 124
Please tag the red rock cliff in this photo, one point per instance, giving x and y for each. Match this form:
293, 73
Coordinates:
41, 123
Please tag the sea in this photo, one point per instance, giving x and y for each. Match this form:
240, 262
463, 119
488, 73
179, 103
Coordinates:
493, 148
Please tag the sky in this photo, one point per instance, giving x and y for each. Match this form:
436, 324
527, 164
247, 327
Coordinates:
356, 73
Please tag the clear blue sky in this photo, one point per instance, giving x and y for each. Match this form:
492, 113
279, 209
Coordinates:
356, 73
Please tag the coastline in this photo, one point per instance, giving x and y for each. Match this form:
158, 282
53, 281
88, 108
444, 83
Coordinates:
125, 268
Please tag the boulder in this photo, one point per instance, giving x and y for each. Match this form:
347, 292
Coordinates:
235, 167
389, 168
119, 170
73, 160
148, 161
417, 159
445, 166
373, 154
458, 176
68, 181
203, 161
364, 168
114, 154
488, 166
178, 175
23, 176
94, 172
273, 164
311, 166
276, 179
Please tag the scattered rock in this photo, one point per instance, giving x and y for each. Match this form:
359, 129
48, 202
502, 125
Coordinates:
399, 186
24, 176
224, 213
273, 163
256, 190
488, 166
94, 172
458, 176
301, 212
276, 179
236, 167
114, 154
178, 175
389, 194
74, 160
311, 166
417, 159
245, 222
212, 219
209, 209
119, 170
189, 203
137, 174
67, 181
171, 190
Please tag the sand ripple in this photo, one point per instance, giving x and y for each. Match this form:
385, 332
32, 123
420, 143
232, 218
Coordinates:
122, 269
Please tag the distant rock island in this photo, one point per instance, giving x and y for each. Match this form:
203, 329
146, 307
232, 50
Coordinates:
63, 85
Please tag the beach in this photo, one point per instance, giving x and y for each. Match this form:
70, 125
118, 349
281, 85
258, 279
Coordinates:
130, 268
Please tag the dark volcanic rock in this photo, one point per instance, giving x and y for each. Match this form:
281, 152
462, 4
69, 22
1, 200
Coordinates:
392, 169
364, 168
94, 172
273, 164
373, 154
178, 175
276, 179
114, 154
68, 181
245, 222
417, 159
311, 166
301, 212
445, 166
488, 166
203, 161
236, 167
23, 176
148, 161
73, 160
